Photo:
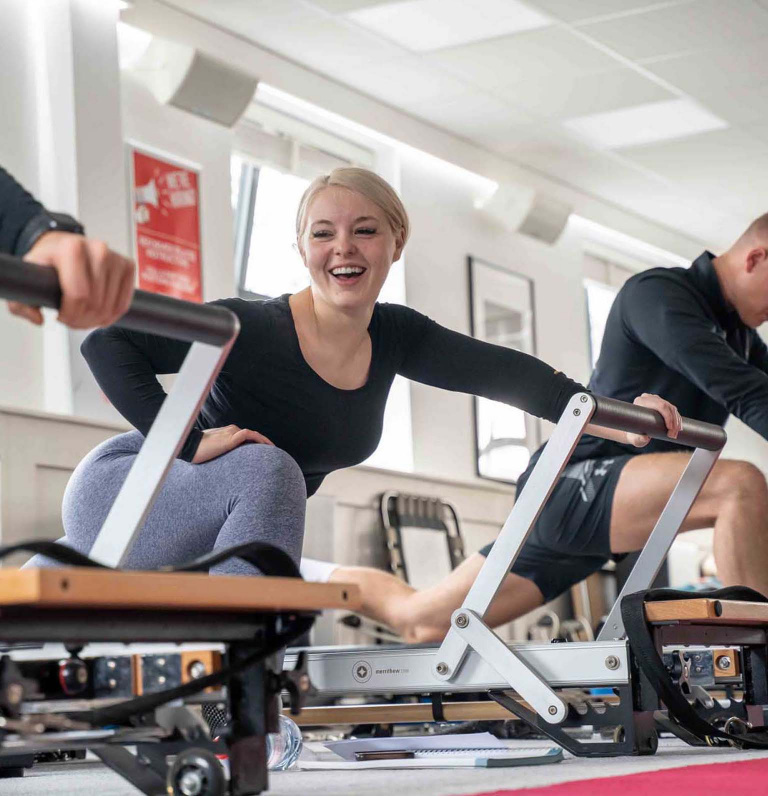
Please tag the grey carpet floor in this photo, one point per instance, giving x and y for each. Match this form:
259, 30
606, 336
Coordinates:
93, 779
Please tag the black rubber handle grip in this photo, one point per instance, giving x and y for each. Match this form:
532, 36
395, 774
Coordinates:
38, 285
639, 420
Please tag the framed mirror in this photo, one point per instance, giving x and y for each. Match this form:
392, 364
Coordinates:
502, 312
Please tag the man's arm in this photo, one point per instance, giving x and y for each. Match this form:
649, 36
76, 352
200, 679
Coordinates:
96, 283
665, 317
758, 353
17, 208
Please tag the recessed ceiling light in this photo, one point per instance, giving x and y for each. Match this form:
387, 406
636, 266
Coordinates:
422, 25
645, 124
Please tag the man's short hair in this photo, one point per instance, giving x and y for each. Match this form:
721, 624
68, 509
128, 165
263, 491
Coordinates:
757, 231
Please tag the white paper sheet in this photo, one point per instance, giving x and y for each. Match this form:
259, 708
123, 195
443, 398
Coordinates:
449, 744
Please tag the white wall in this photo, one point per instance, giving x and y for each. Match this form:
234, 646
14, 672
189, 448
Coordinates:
445, 231
21, 364
61, 136
204, 145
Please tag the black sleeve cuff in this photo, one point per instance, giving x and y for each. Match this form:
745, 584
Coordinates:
189, 449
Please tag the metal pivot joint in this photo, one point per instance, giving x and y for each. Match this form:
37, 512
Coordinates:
520, 676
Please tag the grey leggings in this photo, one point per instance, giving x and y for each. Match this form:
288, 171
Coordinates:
255, 492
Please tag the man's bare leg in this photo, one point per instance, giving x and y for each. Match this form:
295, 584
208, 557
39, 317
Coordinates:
734, 500
424, 616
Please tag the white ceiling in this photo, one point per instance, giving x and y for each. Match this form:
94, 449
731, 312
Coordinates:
511, 94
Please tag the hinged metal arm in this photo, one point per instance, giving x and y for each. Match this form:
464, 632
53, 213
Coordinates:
518, 527
211, 330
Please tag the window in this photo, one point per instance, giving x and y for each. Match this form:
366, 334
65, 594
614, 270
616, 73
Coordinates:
267, 184
599, 301
268, 263
603, 281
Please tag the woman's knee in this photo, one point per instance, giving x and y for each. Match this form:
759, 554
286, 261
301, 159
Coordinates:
94, 485
271, 467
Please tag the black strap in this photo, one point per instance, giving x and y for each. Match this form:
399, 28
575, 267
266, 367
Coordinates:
58, 552
270, 560
645, 653
438, 709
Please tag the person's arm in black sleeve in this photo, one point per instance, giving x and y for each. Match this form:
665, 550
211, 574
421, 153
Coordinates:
667, 319
17, 208
125, 365
758, 353
443, 358
96, 282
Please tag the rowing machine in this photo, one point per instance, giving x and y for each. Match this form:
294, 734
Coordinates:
536, 682
91, 601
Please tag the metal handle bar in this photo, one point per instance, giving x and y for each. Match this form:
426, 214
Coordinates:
38, 285
639, 420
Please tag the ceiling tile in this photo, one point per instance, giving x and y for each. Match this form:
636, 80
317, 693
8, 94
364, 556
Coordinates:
698, 153
727, 70
740, 105
426, 25
525, 56
532, 143
700, 25
297, 31
759, 130
570, 11
565, 95
724, 185
344, 6
406, 81
643, 124
232, 13
470, 114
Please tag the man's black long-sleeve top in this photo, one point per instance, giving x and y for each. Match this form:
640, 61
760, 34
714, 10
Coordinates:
17, 208
671, 332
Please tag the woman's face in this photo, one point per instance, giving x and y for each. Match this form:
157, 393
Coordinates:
348, 247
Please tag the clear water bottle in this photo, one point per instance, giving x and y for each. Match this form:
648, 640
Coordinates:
284, 747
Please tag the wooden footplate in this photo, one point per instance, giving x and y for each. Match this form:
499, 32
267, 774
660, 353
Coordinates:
706, 611
122, 700
106, 589
415, 712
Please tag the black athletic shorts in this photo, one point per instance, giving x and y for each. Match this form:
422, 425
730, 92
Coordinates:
571, 538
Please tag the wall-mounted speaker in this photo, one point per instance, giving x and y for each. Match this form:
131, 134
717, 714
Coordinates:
186, 78
530, 212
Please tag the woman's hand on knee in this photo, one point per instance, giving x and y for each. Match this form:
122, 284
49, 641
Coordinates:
218, 441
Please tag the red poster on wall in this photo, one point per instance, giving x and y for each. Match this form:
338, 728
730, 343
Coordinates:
166, 221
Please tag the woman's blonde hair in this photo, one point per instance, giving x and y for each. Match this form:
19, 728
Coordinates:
367, 184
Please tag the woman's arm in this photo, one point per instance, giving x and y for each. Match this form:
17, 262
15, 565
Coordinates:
125, 365
443, 358
452, 361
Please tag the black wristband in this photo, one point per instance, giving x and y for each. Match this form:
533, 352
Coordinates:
44, 222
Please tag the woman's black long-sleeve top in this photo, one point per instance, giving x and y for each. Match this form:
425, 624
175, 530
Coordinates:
266, 384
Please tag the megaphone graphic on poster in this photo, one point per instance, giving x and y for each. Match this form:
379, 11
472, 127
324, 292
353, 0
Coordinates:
147, 194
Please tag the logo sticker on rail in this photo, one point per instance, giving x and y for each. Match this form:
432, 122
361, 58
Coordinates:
362, 671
